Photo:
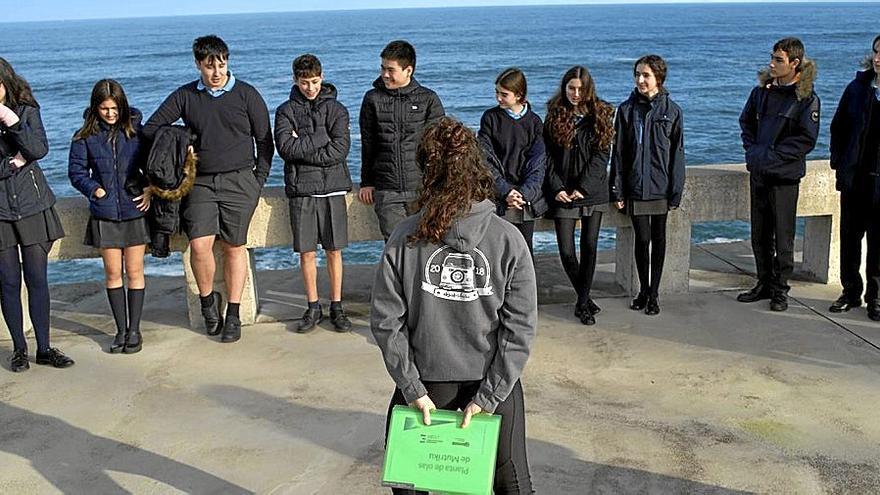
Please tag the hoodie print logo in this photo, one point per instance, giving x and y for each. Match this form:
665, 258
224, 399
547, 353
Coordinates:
457, 276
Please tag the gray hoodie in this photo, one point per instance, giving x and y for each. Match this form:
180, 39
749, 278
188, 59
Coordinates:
465, 310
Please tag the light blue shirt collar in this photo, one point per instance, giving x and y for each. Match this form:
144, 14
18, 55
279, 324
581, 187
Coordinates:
217, 92
517, 116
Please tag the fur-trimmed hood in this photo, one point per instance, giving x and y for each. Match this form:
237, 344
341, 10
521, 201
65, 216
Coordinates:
186, 185
804, 86
171, 165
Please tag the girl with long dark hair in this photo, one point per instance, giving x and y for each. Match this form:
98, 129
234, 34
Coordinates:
454, 302
28, 221
577, 134
647, 171
105, 166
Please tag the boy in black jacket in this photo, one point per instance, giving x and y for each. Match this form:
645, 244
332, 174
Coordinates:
393, 115
312, 136
780, 124
230, 119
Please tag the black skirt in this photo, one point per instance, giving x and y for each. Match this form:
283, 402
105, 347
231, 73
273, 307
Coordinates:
111, 234
44, 226
636, 208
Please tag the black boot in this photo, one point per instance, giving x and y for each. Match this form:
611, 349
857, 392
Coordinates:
116, 296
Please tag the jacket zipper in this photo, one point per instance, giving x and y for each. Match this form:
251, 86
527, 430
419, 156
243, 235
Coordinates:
34, 178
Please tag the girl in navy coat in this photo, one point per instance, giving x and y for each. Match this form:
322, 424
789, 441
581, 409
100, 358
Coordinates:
511, 136
105, 165
28, 222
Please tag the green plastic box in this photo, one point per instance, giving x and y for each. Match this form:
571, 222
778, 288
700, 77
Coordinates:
442, 457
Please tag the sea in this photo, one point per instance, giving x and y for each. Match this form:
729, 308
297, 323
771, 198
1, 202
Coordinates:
714, 51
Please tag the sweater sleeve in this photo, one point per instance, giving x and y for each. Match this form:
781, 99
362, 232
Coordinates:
168, 113
388, 312
258, 115
28, 135
553, 175
748, 122
484, 137
615, 178
536, 166
840, 129
330, 143
367, 122
78, 169
518, 321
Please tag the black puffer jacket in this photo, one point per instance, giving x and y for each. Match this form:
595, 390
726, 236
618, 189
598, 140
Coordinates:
583, 167
647, 161
23, 191
391, 124
780, 125
849, 127
315, 160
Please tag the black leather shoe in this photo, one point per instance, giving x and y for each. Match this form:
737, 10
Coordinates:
779, 302
756, 293
118, 344
653, 306
593, 307
844, 303
133, 342
340, 321
874, 310
579, 309
213, 320
310, 320
55, 358
231, 330
639, 302
19, 361
587, 318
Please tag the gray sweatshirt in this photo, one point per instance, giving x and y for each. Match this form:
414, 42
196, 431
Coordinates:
465, 310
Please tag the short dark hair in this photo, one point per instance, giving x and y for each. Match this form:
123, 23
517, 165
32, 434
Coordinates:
306, 65
657, 65
210, 47
401, 52
513, 80
792, 47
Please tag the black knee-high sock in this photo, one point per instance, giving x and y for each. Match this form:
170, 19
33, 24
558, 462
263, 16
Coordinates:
135, 309
116, 296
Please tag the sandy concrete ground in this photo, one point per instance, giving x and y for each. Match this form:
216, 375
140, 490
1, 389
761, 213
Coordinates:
711, 396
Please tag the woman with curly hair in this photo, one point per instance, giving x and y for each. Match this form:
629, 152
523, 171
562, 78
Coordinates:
454, 302
577, 135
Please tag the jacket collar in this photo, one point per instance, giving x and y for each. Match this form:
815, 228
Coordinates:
803, 87
328, 92
409, 88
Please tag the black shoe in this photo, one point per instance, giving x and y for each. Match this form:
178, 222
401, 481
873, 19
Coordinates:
118, 344
844, 303
310, 320
592, 307
231, 330
756, 293
639, 302
653, 306
874, 310
579, 309
779, 302
213, 320
340, 321
133, 342
19, 361
55, 358
587, 318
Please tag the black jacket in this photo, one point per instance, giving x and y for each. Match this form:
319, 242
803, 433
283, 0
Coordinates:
647, 160
514, 150
315, 161
583, 167
392, 122
171, 172
849, 127
780, 125
23, 191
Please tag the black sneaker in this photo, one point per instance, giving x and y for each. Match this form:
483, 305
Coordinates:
310, 320
213, 320
340, 321
756, 293
231, 330
55, 358
18, 362
845, 303
639, 302
779, 302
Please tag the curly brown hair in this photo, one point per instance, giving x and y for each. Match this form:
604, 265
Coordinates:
455, 177
560, 122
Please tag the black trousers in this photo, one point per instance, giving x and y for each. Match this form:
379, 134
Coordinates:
527, 229
773, 213
580, 273
511, 464
858, 217
650, 232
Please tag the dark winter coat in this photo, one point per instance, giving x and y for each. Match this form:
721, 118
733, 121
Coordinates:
582, 167
99, 162
315, 161
24, 191
392, 122
849, 128
515, 153
780, 125
647, 160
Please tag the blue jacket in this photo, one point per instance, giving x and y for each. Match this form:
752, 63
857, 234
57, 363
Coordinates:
849, 127
95, 163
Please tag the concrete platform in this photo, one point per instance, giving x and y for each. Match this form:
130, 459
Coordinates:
711, 396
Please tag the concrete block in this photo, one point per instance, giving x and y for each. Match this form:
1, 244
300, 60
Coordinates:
249, 302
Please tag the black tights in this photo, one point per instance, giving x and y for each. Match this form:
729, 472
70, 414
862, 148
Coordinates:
650, 233
34, 259
579, 273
